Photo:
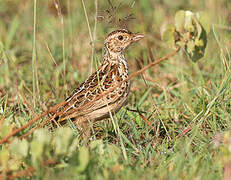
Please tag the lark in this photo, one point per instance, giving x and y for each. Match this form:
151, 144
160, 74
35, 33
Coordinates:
90, 102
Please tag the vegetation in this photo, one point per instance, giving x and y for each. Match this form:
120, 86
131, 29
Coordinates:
177, 120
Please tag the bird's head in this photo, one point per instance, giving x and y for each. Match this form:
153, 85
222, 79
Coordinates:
119, 40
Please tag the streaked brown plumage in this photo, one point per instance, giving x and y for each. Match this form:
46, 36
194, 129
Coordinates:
86, 102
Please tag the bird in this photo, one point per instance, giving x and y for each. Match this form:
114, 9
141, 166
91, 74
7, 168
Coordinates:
88, 102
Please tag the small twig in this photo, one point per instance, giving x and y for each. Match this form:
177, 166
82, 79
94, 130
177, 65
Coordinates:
132, 110
54, 109
147, 121
185, 131
133, 142
14, 132
110, 90
131, 76
33, 129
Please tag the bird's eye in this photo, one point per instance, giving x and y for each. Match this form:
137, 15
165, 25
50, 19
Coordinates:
120, 37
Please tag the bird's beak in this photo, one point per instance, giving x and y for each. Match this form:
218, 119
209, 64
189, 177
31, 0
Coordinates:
137, 37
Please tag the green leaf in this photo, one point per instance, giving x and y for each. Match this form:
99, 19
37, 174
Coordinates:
198, 27
180, 20
63, 138
204, 20
199, 42
19, 148
36, 150
114, 152
5, 130
83, 157
193, 35
73, 147
168, 35
41, 138
188, 26
190, 47
4, 157
14, 164
200, 47
143, 98
96, 144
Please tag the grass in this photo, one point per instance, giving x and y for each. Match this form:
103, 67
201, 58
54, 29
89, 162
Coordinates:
188, 104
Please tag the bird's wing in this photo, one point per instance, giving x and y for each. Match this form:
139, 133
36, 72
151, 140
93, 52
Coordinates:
87, 97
